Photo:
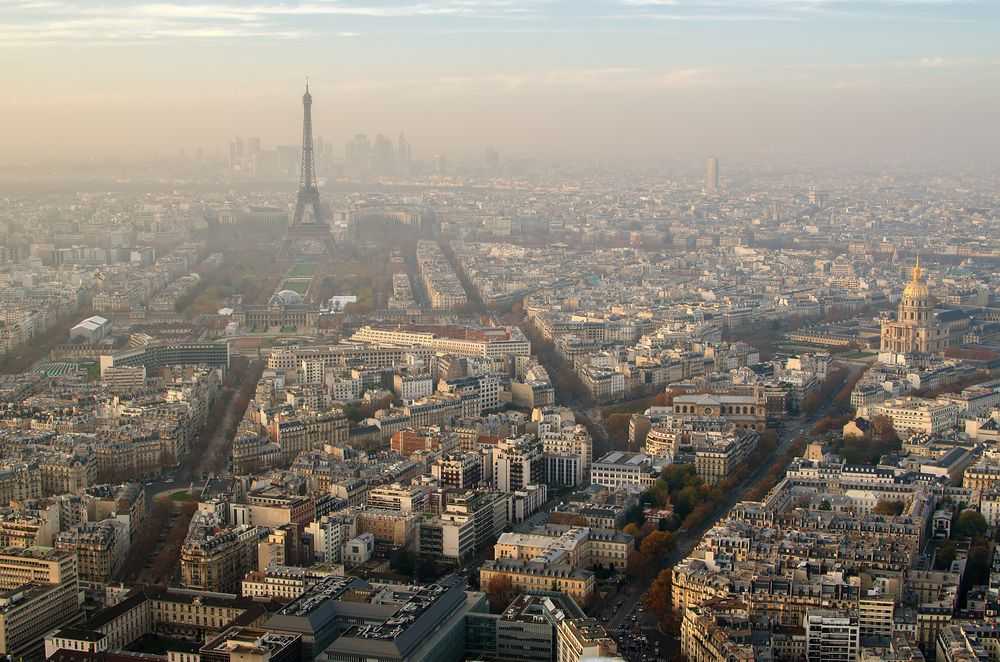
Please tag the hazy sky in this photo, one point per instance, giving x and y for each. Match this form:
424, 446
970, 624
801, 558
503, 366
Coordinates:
836, 79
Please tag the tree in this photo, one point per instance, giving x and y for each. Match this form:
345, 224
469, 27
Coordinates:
945, 555
970, 524
842, 400
700, 514
660, 492
810, 403
403, 561
668, 523
977, 566
426, 571
890, 508
665, 399
499, 593
679, 475
658, 600
767, 443
570, 519
635, 515
633, 530
656, 545
617, 427
883, 430
146, 543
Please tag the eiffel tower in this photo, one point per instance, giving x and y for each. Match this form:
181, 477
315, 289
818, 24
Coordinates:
308, 198
309, 232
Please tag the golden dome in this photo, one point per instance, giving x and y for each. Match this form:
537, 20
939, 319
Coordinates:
917, 288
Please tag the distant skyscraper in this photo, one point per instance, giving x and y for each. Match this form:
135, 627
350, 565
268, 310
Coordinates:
235, 152
440, 164
358, 153
384, 155
404, 154
712, 175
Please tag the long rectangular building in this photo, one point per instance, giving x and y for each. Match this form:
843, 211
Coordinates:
490, 343
39, 591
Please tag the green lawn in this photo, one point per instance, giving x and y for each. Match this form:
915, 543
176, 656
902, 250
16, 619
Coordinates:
302, 270
180, 495
300, 285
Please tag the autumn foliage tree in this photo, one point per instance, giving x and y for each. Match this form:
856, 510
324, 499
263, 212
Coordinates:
499, 593
656, 546
145, 545
883, 430
658, 600
568, 519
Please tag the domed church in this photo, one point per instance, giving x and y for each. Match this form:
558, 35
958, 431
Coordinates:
918, 327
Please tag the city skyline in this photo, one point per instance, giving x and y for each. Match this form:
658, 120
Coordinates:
444, 330
826, 81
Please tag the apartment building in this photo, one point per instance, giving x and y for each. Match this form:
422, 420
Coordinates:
581, 639
717, 456
449, 537
329, 533
577, 547
100, 547
281, 582
214, 559
911, 414
461, 470
717, 631
391, 528
517, 463
526, 577
491, 512
406, 499
832, 636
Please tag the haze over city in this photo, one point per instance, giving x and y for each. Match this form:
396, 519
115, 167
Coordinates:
500, 331
822, 82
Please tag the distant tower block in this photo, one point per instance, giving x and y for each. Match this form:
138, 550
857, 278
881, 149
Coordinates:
712, 175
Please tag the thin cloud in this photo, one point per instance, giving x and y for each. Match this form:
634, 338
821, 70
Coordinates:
935, 62
48, 21
685, 77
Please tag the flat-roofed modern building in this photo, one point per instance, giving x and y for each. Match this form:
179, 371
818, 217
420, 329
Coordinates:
491, 343
411, 623
404, 499
39, 591
585, 639
242, 644
622, 469
528, 628
156, 356
345, 619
